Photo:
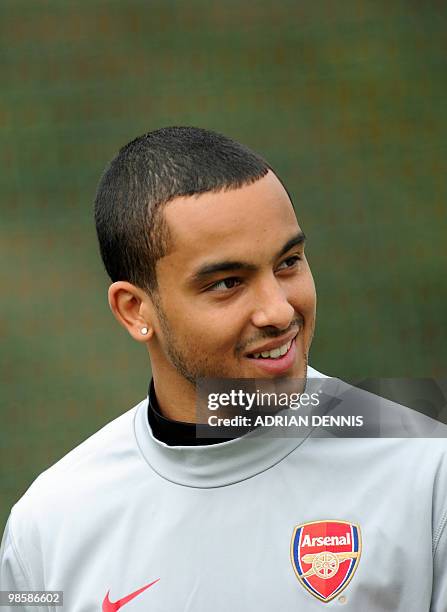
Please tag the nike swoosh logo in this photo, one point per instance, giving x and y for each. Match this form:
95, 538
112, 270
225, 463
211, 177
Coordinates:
113, 606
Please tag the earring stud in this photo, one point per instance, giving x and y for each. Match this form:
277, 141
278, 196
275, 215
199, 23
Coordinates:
144, 330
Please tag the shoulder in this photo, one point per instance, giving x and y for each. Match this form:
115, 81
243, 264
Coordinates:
77, 491
84, 471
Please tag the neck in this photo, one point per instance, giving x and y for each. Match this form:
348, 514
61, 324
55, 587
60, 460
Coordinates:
176, 396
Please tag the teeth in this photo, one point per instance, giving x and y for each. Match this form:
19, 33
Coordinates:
274, 353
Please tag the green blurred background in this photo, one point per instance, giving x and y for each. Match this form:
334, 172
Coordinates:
346, 99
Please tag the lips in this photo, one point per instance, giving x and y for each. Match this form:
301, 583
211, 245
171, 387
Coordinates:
274, 345
278, 365
274, 353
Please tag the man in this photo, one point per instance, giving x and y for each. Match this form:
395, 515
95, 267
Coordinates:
208, 270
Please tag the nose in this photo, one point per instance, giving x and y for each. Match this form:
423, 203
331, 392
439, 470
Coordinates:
272, 307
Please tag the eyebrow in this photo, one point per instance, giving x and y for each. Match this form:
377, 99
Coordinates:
296, 240
229, 265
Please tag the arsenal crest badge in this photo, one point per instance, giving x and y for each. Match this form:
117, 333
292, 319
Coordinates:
325, 555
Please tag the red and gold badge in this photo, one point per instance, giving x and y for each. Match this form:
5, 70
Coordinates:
325, 555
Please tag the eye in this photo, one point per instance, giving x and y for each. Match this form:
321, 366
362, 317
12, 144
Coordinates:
225, 285
289, 263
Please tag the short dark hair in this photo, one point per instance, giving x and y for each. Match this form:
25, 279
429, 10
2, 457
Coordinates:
149, 172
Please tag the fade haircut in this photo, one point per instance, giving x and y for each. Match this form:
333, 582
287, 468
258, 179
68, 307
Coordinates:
148, 173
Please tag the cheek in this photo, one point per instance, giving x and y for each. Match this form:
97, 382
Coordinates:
220, 331
303, 297
311, 296
211, 330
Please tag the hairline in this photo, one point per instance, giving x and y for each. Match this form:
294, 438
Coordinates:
160, 223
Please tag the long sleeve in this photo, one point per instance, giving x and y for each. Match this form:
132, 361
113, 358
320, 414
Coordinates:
12, 575
12, 572
439, 597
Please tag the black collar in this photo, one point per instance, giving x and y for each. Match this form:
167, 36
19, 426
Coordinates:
173, 433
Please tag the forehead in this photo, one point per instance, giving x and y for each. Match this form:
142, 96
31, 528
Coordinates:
248, 220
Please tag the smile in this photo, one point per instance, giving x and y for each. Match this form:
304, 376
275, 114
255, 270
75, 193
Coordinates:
276, 360
275, 349
275, 353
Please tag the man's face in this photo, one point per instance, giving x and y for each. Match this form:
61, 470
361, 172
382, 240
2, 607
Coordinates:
235, 284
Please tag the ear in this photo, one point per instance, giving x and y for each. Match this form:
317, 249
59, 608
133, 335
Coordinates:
133, 309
